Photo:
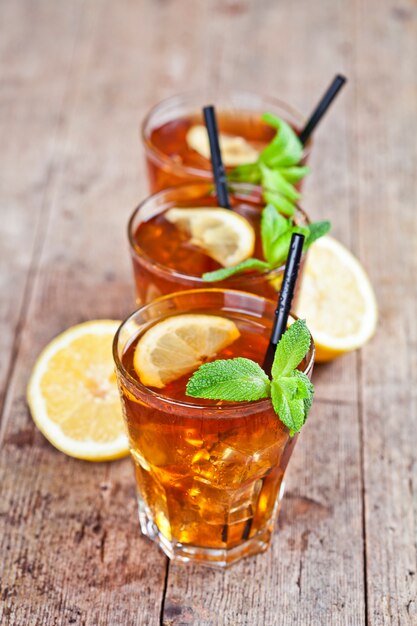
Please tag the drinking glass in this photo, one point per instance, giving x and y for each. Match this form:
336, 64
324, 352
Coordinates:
164, 265
209, 474
169, 159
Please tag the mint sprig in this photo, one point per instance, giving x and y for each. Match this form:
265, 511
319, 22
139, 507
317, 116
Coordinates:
316, 230
241, 380
277, 168
276, 233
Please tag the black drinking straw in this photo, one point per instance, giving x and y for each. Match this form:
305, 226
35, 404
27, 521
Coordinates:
322, 107
281, 318
285, 298
219, 172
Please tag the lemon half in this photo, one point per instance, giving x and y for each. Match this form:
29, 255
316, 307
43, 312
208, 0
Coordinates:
336, 299
73, 396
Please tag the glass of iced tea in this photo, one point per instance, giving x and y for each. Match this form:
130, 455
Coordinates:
173, 138
164, 260
209, 473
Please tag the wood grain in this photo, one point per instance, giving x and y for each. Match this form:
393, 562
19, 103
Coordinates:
70, 542
75, 80
386, 165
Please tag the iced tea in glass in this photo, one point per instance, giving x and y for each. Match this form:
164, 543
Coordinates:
171, 160
165, 261
209, 473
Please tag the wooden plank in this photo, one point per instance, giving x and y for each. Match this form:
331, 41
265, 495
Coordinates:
386, 164
314, 572
71, 550
33, 83
69, 535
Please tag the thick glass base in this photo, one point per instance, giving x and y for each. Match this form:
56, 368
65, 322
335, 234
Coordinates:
218, 558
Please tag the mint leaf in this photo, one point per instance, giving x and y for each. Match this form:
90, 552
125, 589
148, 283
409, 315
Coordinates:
291, 390
273, 180
305, 390
289, 410
248, 173
234, 380
225, 272
295, 173
316, 230
273, 224
278, 251
291, 349
286, 148
281, 203
272, 120
304, 386
289, 386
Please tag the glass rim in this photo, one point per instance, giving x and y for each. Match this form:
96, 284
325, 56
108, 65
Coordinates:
257, 405
149, 261
157, 155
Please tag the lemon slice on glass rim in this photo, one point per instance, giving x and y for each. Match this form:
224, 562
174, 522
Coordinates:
180, 344
235, 149
73, 395
224, 235
336, 300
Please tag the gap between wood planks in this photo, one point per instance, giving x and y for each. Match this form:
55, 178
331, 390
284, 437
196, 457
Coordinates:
354, 213
164, 592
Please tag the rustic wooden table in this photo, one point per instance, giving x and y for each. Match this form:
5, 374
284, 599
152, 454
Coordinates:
76, 78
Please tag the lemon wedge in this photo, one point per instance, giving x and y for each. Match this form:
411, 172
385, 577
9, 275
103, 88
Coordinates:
336, 299
73, 396
235, 149
179, 344
224, 235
